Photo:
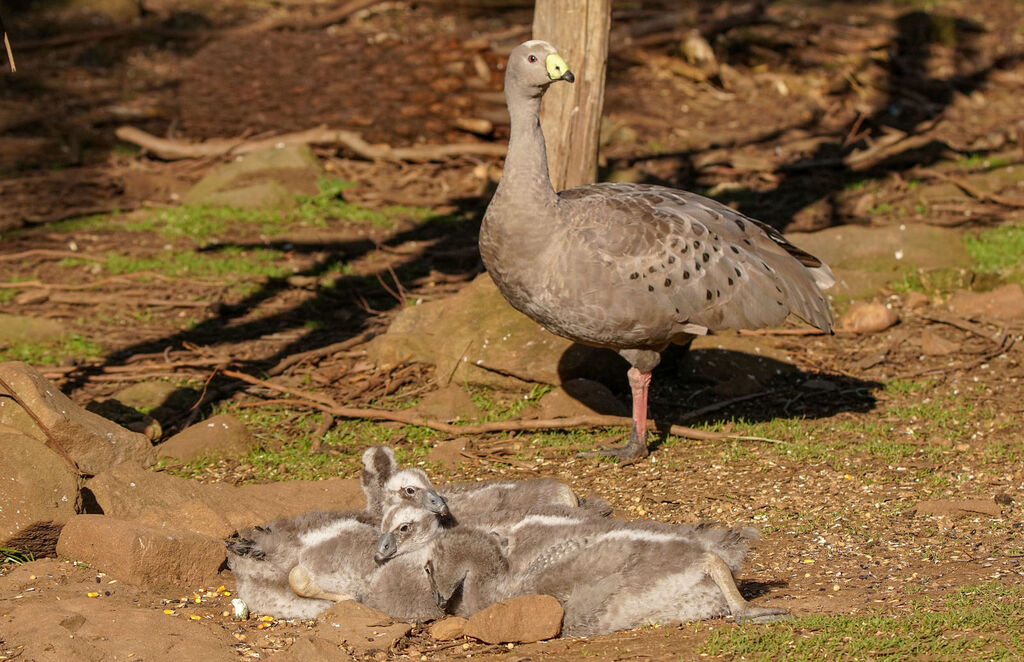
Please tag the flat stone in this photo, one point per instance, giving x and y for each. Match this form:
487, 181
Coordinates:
475, 337
139, 554
130, 492
448, 403
448, 629
865, 317
362, 628
313, 649
524, 619
1004, 303
94, 442
580, 397
268, 178
38, 493
215, 438
20, 329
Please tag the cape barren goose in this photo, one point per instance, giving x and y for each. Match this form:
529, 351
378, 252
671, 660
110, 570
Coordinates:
607, 583
631, 267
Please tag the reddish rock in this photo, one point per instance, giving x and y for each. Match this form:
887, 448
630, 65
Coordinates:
915, 300
130, 492
449, 403
933, 344
1004, 303
449, 453
38, 493
362, 628
867, 318
94, 442
448, 629
215, 438
140, 554
524, 619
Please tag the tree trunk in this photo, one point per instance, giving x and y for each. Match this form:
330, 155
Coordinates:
571, 117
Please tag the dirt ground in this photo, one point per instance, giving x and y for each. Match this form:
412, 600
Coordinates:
873, 113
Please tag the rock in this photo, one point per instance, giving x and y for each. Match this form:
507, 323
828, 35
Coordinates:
475, 337
866, 258
953, 507
33, 296
449, 453
915, 300
150, 397
19, 329
448, 629
448, 403
867, 318
139, 554
68, 625
269, 178
91, 440
362, 628
127, 417
38, 493
1005, 303
130, 492
524, 619
933, 344
313, 649
580, 397
217, 437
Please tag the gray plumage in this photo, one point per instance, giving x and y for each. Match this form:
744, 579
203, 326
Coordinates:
605, 582
379, 466
631, 267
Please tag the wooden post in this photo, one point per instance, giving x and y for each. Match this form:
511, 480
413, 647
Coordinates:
571, 116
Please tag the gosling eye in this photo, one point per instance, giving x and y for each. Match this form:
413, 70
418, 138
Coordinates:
410, 491
404, 528
532, 58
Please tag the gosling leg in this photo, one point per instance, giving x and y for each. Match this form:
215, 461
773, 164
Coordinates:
741, 610
306, 587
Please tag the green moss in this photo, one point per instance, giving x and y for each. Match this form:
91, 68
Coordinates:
73, 346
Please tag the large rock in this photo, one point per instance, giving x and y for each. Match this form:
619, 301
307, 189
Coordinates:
865, 258
362, 628
91, 440
139, 554
580, 397
268, 178
524, 619
38, 493
130, 492
1004, 303
17, 329
474, 336
217, 437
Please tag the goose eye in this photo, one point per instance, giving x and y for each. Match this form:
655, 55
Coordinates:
403, 528
410, 491
532, 58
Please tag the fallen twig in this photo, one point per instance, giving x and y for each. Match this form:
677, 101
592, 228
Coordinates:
968, 188
321, 352
173, 150
7, 47
326, 404
964, 325
50, 253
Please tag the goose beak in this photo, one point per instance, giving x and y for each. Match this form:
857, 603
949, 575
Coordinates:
435, 503
558, 69
387, 547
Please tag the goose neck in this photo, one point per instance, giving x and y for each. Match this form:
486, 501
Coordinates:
525, 176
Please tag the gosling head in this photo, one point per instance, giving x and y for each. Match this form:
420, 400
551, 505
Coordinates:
412, 487
406, 529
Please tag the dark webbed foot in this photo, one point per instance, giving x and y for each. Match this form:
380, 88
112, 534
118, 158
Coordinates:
632, 451
759, 615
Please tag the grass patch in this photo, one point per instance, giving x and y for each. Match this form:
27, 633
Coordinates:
997, 249
978, 622
73, 347
503, 409
230, 261
16, 556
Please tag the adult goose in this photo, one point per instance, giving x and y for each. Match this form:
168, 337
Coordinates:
631, 267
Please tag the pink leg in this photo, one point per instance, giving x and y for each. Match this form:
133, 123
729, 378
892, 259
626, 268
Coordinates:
636, 447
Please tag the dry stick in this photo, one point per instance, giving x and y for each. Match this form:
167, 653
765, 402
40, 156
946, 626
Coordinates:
328, 405
172, 150
969, 189
964, 325
321, 352
51, 441
1005, 343
51, 253
7, 47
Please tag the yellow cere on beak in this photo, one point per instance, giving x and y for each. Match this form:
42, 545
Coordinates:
557, 68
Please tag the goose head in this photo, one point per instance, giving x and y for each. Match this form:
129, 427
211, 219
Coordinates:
533, 66
412, 487
406, 529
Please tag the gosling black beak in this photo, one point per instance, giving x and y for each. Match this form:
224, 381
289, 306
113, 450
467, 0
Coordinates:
435, 503
387, 547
